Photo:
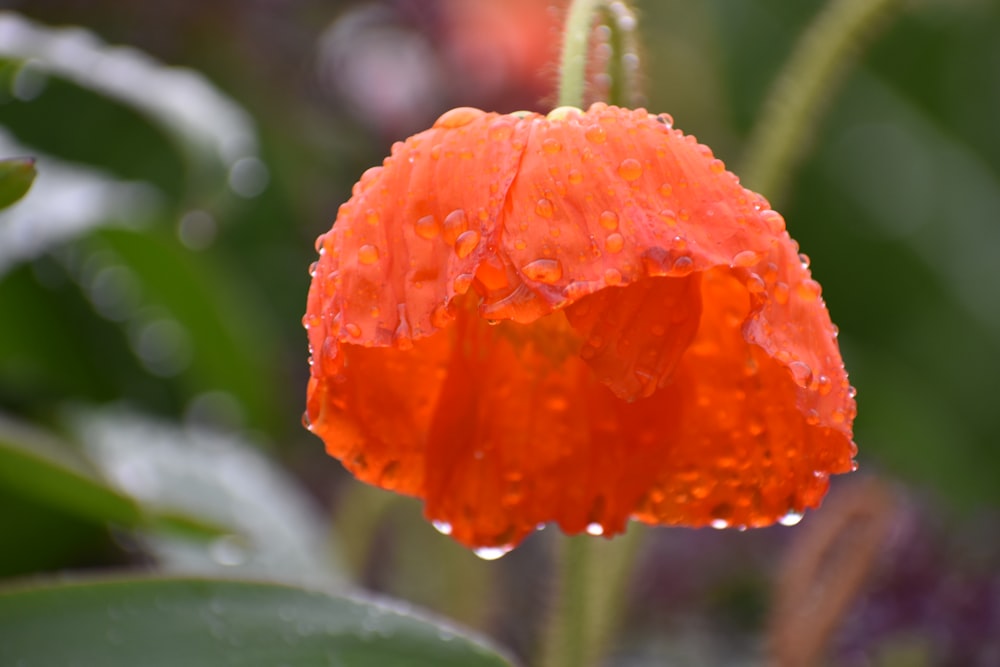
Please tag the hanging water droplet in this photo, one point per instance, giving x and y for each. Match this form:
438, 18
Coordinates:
306, 422
802, 374
442, 527
312, 269
492, 553
595, 529
791, 518
543, 270
466, 243
683, 266
804, 259
719, 524
367, 254
630, 169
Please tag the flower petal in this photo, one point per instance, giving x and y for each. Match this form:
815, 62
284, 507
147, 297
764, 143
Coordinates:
581, 318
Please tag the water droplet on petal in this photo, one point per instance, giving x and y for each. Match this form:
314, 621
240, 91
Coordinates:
595, 134
595, 529
851, 392
442, 527
427, 227
454, 224
492, 553
612, 276
804, 260
719, 524
442, 316
808, 290
630, 169
544, 208
371, 217
716, 166
614, 243
353, 329
306, 422
543, 270
801, 372
466, 243
501, 129
781, 293
773, 220
791, 518
575, 177
683, 266
367, 254
551, 146
745, 259
608, 220
666, 190
458, 117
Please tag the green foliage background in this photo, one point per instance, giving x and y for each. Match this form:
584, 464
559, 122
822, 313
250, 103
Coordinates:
171, 319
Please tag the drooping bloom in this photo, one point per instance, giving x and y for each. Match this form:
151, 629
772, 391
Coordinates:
580, 318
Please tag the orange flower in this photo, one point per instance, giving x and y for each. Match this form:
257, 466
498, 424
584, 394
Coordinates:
580, 318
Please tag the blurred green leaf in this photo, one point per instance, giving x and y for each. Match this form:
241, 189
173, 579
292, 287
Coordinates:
217, 136
271, 527
16, 177
34, 465
195, 622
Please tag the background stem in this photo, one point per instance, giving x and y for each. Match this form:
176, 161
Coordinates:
793, 107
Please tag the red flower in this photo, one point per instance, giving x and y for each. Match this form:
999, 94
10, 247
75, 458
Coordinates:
578, 318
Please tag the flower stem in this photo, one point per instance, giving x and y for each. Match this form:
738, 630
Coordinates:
593, 578
622, 62
792, 108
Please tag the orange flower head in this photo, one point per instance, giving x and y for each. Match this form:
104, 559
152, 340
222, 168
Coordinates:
580, 318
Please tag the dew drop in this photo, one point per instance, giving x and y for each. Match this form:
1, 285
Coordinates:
575, 177
824, 385
312, 269
462, 283
801, 372
755, 284
745, 259
543, 270
719, 524
306, 422
630, 169
612, 277
773, 220
353, 329
716, 166
791, 518
781, 293
501, 130
608, 220
551, 146
492, 553
614, 243
454, 224
427, 227
367, 254
595, 134
683, 266
544, 208
851, 392
804, 260
442, 527
458, 117
669, 217
808, 290
595, 529
466, 243
666, 190
441, 316
371, 217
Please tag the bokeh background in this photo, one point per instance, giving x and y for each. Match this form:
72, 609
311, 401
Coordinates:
153, 282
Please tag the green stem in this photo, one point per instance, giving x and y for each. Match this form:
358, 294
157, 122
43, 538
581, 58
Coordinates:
593, 577
622, 64
793, 106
